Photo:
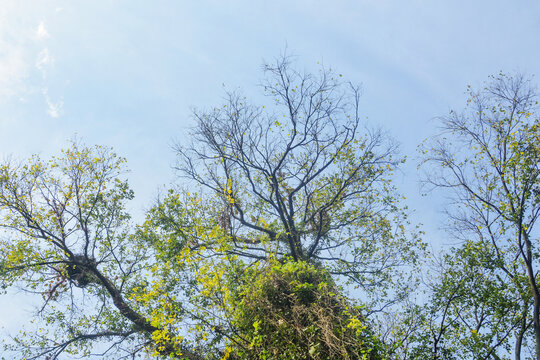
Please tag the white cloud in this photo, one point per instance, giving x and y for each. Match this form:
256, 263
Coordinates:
24, 54
41, 32
54, 109
44, 59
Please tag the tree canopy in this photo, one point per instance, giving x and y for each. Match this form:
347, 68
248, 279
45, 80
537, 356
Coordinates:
284, 237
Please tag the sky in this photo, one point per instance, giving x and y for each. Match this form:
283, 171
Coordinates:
128, 74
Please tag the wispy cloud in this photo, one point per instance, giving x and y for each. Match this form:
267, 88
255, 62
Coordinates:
43, 60
54, 109
41, 32
19, 48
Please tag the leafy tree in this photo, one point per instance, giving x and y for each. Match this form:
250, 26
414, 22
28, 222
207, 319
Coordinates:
489, 157
67, 238
472, 313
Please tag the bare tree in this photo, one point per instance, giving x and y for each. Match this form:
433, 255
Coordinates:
302, 177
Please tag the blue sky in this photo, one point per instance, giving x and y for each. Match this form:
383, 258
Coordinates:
127, 73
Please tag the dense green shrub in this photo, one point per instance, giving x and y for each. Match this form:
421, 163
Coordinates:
294, 311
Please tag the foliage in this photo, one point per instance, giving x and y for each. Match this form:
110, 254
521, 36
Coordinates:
489, 156
222, 294
472, 312
294, 310
67, 237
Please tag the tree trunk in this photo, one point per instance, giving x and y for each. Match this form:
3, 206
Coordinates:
534, 291
536, 324
523, 328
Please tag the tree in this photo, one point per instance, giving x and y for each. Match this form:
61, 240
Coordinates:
303, 178
297, 180
489, 156
67, 238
